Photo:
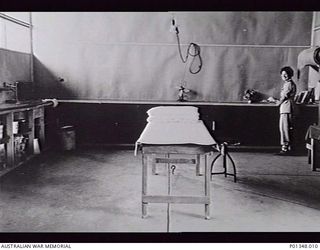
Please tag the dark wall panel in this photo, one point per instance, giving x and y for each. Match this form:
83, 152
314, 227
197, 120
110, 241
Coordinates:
123, 123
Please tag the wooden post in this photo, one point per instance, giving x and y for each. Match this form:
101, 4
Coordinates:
42, 128
153, 163
198, 165
169, 193
10, 144
144, 184
30, 114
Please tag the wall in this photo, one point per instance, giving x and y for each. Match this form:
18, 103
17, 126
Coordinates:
15, 36
15, 58
314, 76
14, 66
133, 56
317, 31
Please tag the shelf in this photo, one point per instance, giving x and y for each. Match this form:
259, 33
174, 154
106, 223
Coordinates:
20, 107
8, 169
195, 103
30, 118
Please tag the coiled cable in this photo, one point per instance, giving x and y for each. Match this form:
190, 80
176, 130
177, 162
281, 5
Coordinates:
194, 55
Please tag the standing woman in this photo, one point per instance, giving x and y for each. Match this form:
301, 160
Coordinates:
286, 103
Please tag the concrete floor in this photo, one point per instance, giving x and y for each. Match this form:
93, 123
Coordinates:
99, 190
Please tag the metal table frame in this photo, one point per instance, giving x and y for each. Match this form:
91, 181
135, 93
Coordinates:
224, 153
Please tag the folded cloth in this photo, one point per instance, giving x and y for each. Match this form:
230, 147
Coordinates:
165, 128
173, 110
176, 133
173, 118
173, 114
309, 57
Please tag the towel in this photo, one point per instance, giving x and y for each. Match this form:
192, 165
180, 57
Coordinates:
175, 125
309, 57
164, 114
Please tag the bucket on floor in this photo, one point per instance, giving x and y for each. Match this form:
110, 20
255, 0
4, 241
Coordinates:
67, 138
36, 146
15, 127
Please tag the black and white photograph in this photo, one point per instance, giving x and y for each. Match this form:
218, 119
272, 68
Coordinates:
162, 122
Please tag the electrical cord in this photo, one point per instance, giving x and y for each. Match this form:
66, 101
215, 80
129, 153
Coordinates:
197, 50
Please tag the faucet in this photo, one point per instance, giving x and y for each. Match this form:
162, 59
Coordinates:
9, 86
182, 93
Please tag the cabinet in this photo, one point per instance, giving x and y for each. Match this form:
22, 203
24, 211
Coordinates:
314, 147
254, 125
22, 133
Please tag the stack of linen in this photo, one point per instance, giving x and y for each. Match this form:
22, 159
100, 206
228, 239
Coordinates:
169, 125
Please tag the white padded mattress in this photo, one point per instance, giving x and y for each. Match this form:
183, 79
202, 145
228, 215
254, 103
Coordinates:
175, 125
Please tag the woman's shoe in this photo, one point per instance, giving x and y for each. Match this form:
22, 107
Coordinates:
284, 153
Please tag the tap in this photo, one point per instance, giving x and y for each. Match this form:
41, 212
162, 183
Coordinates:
9, 87
182, 93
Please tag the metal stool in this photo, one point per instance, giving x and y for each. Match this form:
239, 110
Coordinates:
223, 152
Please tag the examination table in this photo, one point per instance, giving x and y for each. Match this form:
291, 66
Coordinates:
172, 134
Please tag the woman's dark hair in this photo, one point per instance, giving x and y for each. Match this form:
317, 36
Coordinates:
288, 70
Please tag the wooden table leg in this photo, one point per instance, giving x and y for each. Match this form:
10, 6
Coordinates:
198, 165
153, 163
207, 175
169, 193
144, 184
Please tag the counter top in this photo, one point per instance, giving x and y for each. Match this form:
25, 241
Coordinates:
196, 103
7, 107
